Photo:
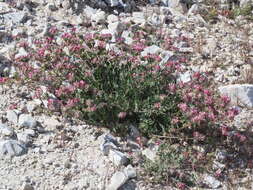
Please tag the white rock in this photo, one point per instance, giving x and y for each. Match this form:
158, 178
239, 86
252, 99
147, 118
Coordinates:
5, 130
116, 27
120, 178
113, 3
17, 31
99, 17
138, 17
193, 10
117, 180
174, 4
16, 17
118, 158
166, 55
212, 182
21, 52
26, 120
154, 49
130, 172
31, 105
88, 11
12, 116
186, 50
24, 138
209, 48
185, 77
241, 94
127, 36
112, 18
12, 148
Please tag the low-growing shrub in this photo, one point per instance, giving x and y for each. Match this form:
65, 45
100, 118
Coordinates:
118, 86
114, 85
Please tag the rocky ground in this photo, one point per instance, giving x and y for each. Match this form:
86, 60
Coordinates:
40, 151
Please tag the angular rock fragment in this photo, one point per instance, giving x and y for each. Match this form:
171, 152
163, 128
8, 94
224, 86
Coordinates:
12, 148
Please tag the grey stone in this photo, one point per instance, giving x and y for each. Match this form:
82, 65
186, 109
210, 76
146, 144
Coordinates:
12, 148
26, 186
106, 147
26, 120
134, 132
12, 116
5, 37
133, 145
118, 158
241, 94
5, 130
113, 3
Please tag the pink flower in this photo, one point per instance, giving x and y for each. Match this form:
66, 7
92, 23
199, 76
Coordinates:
211, 116
199, 136
224, 130
157, 105
79, 84
172, 88
175, 120
138, 47
225, 99
232, 113
70, 76
122, 115
72, 102
209, 100
181, 186
183, 107
196, 75
207, 92
241, 137
3, 79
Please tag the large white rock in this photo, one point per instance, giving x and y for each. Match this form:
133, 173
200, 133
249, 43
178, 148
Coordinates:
26, 120
12, 116
241, 94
